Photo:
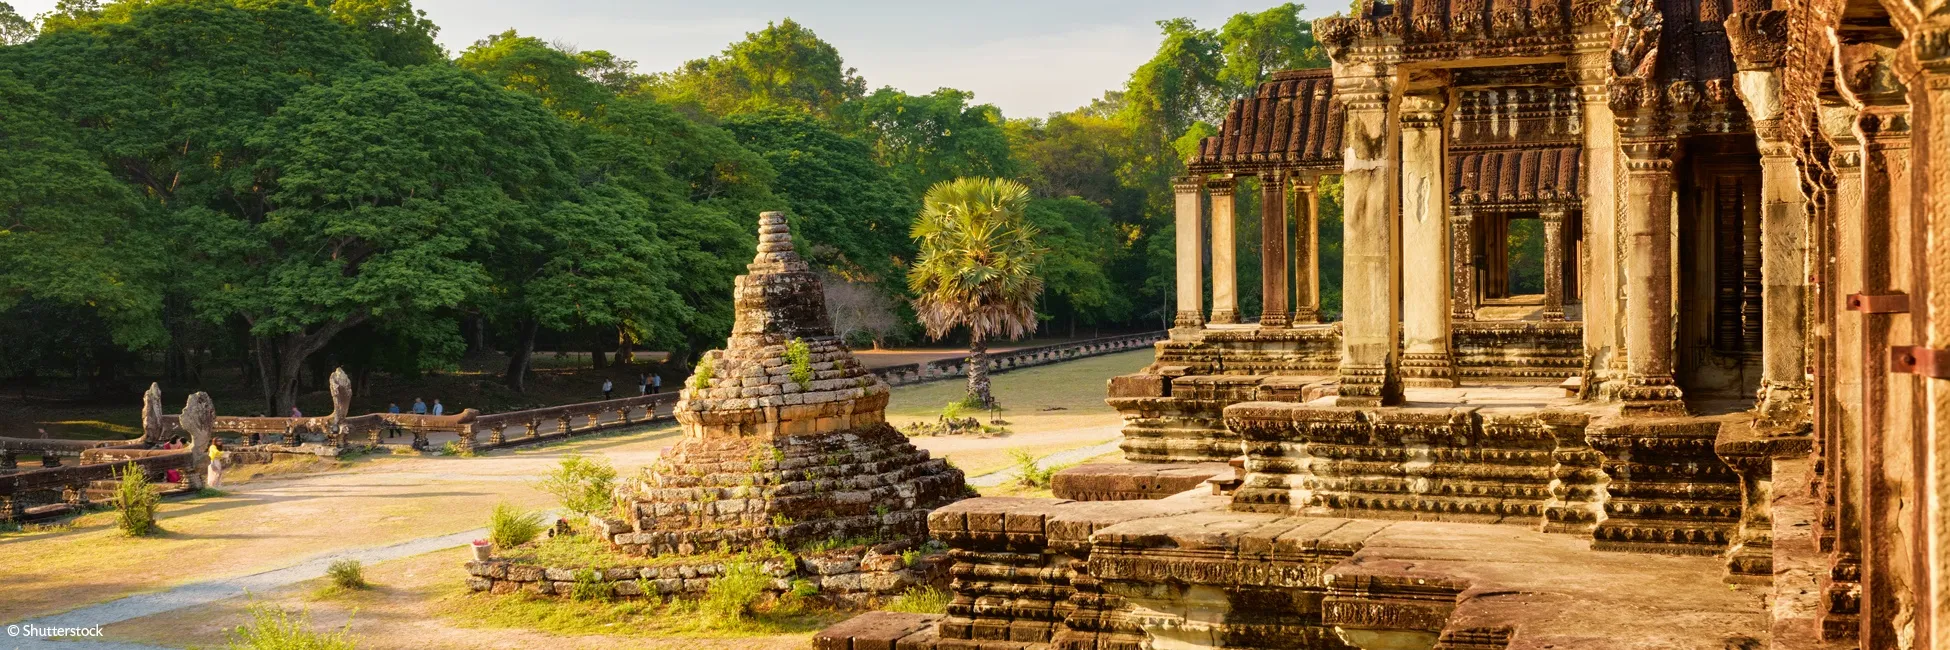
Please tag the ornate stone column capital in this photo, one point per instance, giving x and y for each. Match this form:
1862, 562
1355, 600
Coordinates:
1221, 185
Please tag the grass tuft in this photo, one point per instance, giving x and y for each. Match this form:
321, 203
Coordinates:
920, 600
272, 628
509, 527
347, 574
734, 592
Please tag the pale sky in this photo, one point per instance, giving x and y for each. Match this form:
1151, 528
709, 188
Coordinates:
1030, 58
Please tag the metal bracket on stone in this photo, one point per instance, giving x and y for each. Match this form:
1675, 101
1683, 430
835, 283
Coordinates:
1879, 303
1919, 360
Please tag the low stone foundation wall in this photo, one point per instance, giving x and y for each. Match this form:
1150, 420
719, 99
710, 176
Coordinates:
854, 576
1132, 481
1518, 350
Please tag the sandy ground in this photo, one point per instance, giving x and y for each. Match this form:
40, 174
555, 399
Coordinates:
273, 524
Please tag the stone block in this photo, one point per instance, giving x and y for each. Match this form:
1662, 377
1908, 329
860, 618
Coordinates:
478, 583
524, 573
559, 575
504, 587
879, 631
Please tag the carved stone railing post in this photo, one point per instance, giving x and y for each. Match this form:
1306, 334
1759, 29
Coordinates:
467, 439
534, 428
1369, 372
1553, 219
563, 424
1191, 281
10, 507
8, 460
498, 434
1225, 252
419, 438
1462, 264
50, 460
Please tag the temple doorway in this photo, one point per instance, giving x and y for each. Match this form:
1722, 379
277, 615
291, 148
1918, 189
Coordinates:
1719, 283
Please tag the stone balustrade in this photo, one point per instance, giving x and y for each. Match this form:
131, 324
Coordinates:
56, 490
940, 369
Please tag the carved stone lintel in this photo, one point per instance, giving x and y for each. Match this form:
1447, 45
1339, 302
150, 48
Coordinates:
1759, 39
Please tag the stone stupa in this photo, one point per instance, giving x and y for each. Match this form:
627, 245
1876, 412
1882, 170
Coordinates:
785, 434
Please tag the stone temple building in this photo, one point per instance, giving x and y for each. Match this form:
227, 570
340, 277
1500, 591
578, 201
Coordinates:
1711, 414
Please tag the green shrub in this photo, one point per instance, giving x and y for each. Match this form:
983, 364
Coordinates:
136, 501
584, 486
799, 358
347, 574
953, 410
733, 593
272, 628
920, 600
454, 448
701, 379
509, 527
804, 588
1028, 473
589, 585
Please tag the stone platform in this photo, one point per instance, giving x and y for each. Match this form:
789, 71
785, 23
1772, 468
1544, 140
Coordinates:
1182, 572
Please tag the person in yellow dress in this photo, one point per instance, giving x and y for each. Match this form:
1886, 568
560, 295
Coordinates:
216, 465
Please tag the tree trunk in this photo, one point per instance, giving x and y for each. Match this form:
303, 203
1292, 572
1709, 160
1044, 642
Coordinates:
978, 371
266, 355
517, 375
625, 351
281, 361
598, 358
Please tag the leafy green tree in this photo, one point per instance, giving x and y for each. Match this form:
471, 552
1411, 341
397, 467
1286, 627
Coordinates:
851, 212
14, 29
1256, 45
926, 139
1081, 243
395, 32
381, 187
977, 268
784, 66
525, 64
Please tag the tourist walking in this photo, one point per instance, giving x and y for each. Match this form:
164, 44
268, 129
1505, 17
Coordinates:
643, 384
294, 412
438, 408
419, 407
216, 465
656, 383
607, 387
392, 408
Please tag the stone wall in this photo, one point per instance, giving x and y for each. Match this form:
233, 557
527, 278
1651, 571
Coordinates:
855, 576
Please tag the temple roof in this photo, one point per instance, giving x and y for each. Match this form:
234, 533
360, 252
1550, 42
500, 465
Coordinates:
1290, 122
1547, 174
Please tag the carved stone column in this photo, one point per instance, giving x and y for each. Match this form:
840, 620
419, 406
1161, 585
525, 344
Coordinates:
1842, 465
1759, 42
1370, 354
1273, 267
1426, 358
1553, 220
1225, 252
1191, 284
1462, 265
1649, 387
1306, 249
1603, 289
1930, 92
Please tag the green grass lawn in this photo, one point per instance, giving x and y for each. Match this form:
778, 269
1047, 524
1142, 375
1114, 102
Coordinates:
1044, 398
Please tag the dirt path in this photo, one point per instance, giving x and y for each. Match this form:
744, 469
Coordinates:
273, 537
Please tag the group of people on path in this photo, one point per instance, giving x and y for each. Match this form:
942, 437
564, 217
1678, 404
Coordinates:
420, 407
646, 384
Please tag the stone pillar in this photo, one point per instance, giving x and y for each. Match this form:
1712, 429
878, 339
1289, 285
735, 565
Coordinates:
1889, 458
1272, 228
1843, 451
1758, 40
199, 418
1225, 253
1649, 387
1426, 358
1191, 283
1462, 265
1306, 249
1553, 219
1603, 338
1931, 97
1371, 307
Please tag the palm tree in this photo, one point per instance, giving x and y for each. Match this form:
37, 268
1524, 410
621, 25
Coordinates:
976, 268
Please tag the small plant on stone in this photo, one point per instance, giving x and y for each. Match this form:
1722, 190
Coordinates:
347, 574
920, 600
1028, 472
799, 358
804, 588
701, 379
588, 586
585, 486
509, 527
910, 556
136, 502
881, 511
780, 520
732, 594
271, 628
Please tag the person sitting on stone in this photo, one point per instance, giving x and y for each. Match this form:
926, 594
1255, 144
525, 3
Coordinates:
419, 407
438, 409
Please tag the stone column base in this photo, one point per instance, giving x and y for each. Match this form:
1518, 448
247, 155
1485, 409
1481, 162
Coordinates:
1187, 333
1369, 386
1275, 320
1429, 370
1224, 317
1306, 317
1651, 396
1782, 405
1188, 319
